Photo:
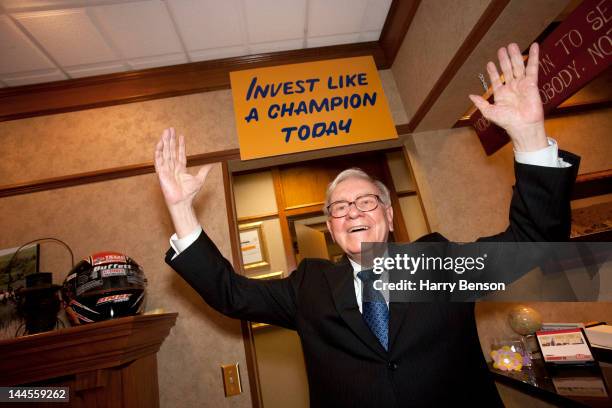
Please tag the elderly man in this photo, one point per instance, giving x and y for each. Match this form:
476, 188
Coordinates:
358, 353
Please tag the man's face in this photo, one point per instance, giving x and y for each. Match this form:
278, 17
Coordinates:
345, 231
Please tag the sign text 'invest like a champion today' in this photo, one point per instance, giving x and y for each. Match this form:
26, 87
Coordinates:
314, 105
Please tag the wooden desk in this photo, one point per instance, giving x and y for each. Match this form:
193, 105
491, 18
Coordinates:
106, 364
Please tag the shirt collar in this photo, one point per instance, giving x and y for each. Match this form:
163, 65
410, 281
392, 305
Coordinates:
356, 268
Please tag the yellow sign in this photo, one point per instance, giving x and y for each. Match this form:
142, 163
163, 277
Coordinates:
314, 105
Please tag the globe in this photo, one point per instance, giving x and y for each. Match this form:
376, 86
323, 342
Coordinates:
524, 320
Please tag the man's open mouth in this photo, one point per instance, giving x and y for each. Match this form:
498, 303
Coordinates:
358, 228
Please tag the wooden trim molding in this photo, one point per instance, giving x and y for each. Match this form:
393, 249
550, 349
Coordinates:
403, 129
297, 207
479, 30
109, 174
154, 83
406, 193
258, 217
300, 210
247, 332
416, 184
400, 16
579, 108
282, 217
400, 232
593, 184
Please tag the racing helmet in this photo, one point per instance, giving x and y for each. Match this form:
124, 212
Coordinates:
104, 286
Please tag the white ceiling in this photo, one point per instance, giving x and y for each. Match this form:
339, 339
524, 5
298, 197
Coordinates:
51, 40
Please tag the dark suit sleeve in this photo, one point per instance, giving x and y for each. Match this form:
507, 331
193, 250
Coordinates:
539, 212
213, 277
540, 207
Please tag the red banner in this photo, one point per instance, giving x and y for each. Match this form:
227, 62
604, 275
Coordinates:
571, 56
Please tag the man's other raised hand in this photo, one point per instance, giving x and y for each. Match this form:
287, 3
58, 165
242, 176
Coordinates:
517, 105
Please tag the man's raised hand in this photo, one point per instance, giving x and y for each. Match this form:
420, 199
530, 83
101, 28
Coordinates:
517, 105
178, 186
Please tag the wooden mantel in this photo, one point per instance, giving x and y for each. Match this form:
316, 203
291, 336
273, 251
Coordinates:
113, 357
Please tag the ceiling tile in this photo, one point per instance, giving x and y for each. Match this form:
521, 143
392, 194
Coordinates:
375, 15
39, 5
275, 20
36, 77
139, 29
327, 17
18, 52
97, 69
158, 61
277, 46
218, 53
207, 24
332, 40
68, 35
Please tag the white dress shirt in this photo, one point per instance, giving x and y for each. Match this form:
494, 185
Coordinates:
546, 157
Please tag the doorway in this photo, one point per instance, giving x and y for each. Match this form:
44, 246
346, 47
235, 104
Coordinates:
282, 207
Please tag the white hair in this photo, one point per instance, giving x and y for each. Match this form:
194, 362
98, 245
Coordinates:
355, 172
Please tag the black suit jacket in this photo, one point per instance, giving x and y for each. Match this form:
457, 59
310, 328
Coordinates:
434, 356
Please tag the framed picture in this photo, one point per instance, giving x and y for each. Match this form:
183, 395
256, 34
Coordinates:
253, 246
568, 346
26, 263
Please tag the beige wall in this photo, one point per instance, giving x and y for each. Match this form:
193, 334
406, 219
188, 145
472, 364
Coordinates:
466, 195
282, 370
429, 46
97, 139
254, 194
128, 215
512, 25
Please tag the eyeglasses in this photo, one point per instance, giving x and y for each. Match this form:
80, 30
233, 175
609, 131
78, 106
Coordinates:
364, 203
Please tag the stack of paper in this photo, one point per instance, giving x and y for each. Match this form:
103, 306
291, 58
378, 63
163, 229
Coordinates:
600, 336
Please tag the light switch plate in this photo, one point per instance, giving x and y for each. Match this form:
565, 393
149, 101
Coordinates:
231, 379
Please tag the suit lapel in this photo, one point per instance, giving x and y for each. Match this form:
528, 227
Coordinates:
340, 279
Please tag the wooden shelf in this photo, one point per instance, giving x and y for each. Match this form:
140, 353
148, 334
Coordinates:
112, 363
593, 184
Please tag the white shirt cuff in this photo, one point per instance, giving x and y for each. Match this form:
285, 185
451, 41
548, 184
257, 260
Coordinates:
179, 245
546, 157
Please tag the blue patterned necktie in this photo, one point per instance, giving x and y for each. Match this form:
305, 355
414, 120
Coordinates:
374, 308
